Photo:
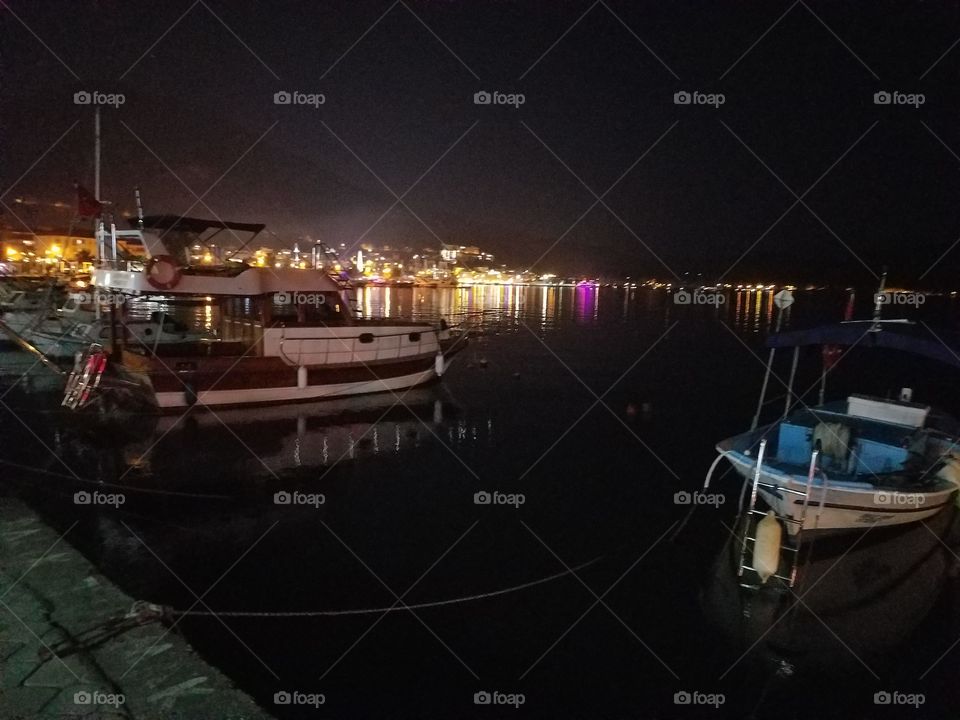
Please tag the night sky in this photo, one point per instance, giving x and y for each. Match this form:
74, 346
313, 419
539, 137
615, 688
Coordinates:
684, 188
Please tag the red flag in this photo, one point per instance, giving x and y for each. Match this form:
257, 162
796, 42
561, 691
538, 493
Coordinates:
87, 204
831, 353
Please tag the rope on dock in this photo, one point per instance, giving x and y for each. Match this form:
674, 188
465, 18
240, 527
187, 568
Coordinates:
382, 610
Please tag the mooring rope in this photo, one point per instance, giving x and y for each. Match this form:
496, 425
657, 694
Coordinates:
693, 506
398, 607
128, 488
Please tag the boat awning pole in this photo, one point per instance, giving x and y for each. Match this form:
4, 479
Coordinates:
793, 373
766, 375
763, 390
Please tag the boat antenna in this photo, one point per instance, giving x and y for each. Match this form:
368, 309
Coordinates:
878, 299
139, 199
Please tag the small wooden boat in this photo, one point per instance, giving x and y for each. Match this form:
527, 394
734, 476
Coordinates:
859, 462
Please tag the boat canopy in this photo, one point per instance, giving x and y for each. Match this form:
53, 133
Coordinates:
249, 282
197, 226
889, 335
173, 234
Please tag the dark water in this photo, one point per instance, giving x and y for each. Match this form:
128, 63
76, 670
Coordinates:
536, 405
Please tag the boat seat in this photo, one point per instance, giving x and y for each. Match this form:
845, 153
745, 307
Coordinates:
833, 440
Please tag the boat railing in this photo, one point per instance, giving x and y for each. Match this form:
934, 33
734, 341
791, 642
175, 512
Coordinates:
108, 250
122, 265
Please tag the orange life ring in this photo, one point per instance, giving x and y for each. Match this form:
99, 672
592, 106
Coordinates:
163, 272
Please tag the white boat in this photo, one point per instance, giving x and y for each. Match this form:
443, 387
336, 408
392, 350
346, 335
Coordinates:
78, 323
26, 304
860, 462
285, 335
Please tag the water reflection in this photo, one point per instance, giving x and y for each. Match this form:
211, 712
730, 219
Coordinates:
858, 610
749, 311
234, 452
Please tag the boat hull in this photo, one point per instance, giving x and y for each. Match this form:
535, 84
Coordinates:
291, 393
841, 506
230, 380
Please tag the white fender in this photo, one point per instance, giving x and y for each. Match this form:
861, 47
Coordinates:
766, 549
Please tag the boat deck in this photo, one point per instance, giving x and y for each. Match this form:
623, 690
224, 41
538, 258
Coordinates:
880, 454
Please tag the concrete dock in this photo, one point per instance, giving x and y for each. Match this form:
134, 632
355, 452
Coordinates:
58, 659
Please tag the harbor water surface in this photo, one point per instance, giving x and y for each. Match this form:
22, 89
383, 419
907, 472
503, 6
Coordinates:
512, 533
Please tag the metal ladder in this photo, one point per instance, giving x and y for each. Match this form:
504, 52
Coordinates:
753, 517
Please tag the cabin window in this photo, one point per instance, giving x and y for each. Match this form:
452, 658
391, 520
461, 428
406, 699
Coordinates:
414, 337
366, 338
308, 308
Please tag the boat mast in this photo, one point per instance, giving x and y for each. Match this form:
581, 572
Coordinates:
98, 231
96, 154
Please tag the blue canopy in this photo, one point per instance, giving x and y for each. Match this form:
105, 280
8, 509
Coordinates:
890, 335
